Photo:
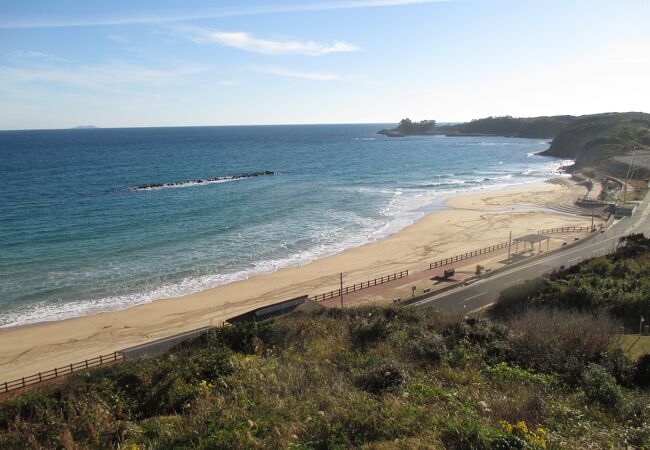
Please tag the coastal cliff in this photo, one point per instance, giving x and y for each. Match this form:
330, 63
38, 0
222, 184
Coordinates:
596, 141
529, 127
544, 127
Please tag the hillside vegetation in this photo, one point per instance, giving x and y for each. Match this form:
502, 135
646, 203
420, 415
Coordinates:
541, 377
618, 285
545, 127
593, 140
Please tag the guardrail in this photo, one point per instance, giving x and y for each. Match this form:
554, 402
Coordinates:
10, 386
359, 286
471, 254
563, 230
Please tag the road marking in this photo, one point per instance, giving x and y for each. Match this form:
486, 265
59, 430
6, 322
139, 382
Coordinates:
482, 308
562, 254
574, 259
474, 296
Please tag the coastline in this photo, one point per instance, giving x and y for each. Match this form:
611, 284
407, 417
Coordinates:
471, 220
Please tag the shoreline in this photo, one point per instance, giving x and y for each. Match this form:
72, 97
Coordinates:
466, 221
439, 203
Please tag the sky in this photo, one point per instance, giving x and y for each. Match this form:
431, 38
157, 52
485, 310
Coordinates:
131, 63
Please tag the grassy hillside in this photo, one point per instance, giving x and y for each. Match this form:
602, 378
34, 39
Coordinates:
592, 140
541, 377
529, 127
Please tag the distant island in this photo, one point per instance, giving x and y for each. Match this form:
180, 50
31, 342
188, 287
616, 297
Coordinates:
602, 142
408, 127
84, 127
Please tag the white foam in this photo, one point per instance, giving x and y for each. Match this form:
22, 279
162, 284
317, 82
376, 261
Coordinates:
403, 207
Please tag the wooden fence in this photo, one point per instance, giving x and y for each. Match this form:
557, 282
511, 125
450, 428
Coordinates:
359, 286
473, 253
58, 372
10, 386
563, 230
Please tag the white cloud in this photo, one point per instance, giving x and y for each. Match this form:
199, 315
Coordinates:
205, 13
248, 42
315, 76
31, 54
107, 76
117, 38
229, 82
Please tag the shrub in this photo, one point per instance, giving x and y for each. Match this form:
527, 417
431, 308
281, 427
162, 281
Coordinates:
505, 373
600, 387
474, 331
369, 331
424, 392
247, 337
562, 342
642, 371
473, 435
378, 379
619, 366
426, 346
207, 364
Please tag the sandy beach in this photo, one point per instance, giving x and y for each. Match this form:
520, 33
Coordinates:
471, 221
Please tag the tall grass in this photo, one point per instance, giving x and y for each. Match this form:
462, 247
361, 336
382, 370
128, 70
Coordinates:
371, 378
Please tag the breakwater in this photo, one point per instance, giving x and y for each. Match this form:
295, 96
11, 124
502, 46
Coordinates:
198, 182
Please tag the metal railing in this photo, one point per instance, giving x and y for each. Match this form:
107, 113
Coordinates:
10, 386
471, 254
563, 230
359, 286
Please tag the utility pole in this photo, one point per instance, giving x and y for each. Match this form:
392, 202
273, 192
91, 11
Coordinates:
592, 218
341, 289
509, 245
629, 168
630, 174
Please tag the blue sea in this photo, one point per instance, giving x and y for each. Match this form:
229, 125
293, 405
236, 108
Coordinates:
76, 237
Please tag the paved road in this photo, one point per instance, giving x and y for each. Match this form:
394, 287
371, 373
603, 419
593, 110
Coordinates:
642, 161
485, 291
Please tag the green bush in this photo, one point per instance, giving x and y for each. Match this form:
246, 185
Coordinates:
427, 346
600, 387
561, 342
619, 366
369, 331
378, 379
247, 337
473, 435
642, 371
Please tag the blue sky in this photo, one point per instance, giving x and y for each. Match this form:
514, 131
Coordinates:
153, 63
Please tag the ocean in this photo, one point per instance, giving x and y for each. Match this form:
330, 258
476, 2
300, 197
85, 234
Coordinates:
80, 232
